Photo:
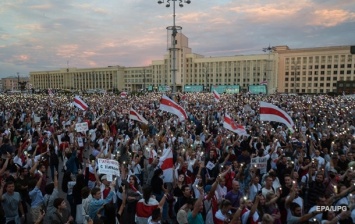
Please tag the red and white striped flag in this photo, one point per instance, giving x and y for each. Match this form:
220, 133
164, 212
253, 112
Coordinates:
166, 163
168, 105
216, 96
263, 82
270, 112
79, 103
124, 94
134, 115
229, 124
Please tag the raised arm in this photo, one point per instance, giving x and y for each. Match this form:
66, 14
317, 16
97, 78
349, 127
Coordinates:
198, 203
8, 157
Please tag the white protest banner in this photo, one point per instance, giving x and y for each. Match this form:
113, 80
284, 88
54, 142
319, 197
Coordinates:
81, 127
260, 163
36, 119
210, 165
108, 167
80, 142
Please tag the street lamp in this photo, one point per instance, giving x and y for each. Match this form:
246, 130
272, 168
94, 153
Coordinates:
174, 32
295, 67
268, 49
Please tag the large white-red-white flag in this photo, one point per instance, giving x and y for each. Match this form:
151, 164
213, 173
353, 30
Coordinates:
134, 115
229, 124
79, 103
124, 94
216, 96
168, 105
270, 112
166, 163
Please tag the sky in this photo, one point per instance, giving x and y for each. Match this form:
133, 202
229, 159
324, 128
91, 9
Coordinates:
41, 35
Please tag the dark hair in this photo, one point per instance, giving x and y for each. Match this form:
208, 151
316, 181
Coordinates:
224, 203
49, 188
95, 190
147, 192
293, 206
65, 180
85, 192
57, 202
157, 172
156, 214
110, 214
136, 185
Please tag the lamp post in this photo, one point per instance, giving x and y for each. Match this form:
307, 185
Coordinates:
174, 30
206, 73
295, 67
268, 49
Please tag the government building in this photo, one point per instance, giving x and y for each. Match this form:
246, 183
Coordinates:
282, 69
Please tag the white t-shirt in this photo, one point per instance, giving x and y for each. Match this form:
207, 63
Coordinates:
220, 192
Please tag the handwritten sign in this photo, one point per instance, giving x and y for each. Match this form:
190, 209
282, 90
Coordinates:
260, 163
81, 127
108, 167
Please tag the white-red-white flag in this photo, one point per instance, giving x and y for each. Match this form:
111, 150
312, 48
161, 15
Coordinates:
229, 124
270, 112
168, 105
166, 163
79, 103
134, 115
216, 96
124, 94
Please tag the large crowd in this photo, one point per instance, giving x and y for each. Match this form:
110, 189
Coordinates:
49, 171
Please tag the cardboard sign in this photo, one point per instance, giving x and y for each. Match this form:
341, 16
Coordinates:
108, 167
81, 127
260, 163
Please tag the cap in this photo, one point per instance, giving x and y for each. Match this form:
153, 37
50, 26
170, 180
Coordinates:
103, 177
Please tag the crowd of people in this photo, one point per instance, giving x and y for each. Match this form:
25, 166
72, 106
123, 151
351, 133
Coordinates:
49, 171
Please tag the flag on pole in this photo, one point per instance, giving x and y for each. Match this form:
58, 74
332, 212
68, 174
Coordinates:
134, 115
79, 103
263, 82
168, 105
216, 95
124, 94
270, 112
229, 124
166, 163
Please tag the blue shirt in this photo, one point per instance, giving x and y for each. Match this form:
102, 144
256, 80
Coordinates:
36, 197
95, 205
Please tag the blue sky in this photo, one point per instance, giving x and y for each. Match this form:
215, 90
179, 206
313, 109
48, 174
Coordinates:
38, 35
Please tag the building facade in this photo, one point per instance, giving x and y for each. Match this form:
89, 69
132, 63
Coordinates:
12, 83
314, 70
311, 70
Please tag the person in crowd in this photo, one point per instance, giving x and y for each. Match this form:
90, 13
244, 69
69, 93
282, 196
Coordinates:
52, 193
11, 202
62, 214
